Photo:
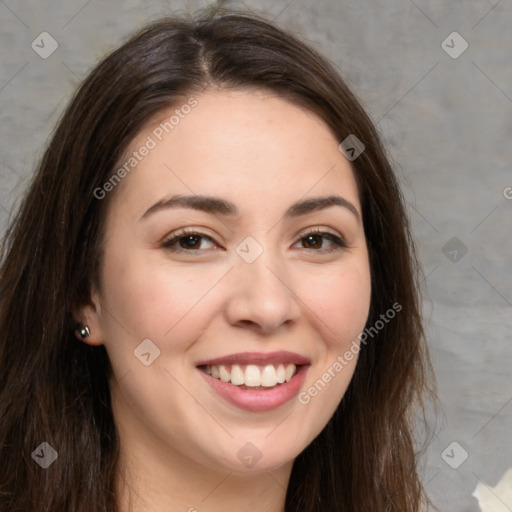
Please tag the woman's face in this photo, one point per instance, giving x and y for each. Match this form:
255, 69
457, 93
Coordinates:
248, 295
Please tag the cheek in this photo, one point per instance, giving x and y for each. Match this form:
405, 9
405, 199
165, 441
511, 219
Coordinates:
147, 298
340, 300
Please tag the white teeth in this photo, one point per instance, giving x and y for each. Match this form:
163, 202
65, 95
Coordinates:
237, 375
281, 374
253, 376
268, 376
224, 374
290, 370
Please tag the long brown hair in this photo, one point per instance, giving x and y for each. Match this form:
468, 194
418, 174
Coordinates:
54, 388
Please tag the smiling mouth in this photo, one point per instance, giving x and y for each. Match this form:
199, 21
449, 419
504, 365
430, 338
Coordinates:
251, 376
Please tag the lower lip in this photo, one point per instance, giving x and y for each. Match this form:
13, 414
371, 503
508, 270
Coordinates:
258, 400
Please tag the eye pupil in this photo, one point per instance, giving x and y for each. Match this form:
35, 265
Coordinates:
312, 237
190, 238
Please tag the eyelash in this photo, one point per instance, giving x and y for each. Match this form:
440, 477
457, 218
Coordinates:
338, 243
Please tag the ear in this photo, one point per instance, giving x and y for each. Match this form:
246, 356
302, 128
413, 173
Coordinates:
90, 315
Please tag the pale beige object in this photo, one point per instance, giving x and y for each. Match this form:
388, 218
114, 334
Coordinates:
495, 499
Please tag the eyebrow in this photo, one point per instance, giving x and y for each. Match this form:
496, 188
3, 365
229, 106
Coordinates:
216, 205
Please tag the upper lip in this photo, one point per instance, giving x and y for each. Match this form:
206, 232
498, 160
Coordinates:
257, 358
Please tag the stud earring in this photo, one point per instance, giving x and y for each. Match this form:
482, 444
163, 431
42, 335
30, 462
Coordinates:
83, 331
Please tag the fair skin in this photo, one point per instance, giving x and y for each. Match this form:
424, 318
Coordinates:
180, 439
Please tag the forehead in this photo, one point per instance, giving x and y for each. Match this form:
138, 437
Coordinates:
232, 143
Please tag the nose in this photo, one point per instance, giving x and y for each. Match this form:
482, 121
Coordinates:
262, 295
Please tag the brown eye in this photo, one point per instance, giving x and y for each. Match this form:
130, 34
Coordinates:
314, 240
190, 241
186, 241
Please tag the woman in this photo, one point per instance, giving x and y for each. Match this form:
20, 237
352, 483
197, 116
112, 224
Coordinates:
210, 294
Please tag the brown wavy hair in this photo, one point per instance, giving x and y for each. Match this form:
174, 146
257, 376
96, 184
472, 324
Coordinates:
54, 388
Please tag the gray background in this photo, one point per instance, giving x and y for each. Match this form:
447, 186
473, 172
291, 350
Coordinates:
447, 123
